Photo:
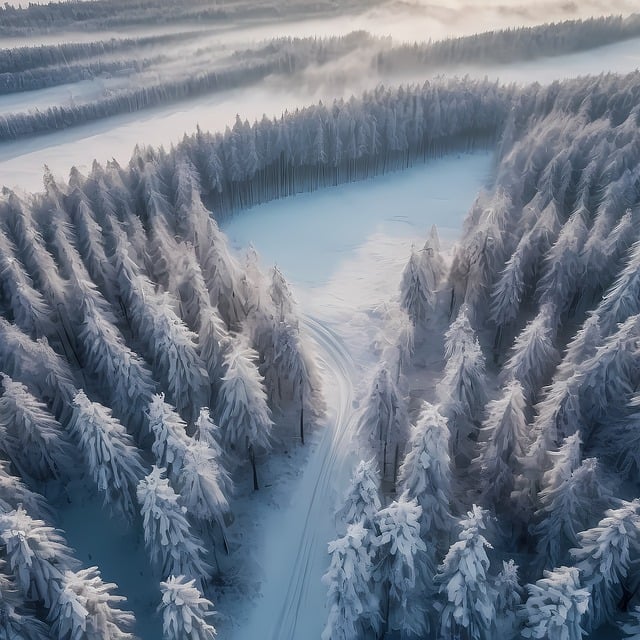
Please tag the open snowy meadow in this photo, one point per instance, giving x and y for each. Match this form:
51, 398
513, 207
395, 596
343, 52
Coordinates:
319, 320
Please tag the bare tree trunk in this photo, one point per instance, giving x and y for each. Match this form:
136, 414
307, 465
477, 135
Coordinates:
252, 459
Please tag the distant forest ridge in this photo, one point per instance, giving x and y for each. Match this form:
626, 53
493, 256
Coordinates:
147, 75
109, 14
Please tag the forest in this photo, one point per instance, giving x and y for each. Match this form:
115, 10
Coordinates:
140, 356
141, 72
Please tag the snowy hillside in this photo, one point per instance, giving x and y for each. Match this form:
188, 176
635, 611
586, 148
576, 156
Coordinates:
421, 422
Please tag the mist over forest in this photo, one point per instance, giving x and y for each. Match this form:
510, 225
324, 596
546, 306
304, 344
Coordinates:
417, 418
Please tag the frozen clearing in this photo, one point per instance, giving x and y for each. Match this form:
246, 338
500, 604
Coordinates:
343, 249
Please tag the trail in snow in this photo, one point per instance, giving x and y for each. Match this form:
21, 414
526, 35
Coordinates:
295, 553
355, 242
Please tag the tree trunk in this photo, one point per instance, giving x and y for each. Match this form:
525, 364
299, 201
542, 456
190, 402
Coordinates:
302, 423
252, 458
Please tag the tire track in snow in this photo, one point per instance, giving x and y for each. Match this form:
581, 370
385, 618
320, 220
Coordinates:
292, 603
341, 367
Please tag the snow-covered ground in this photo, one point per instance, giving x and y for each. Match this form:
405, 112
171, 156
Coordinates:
344, 250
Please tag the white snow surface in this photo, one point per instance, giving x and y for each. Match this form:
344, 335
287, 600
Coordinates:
343, 249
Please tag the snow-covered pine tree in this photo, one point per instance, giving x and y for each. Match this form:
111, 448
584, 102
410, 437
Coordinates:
28, 307
555, 606
36, 554
505, 435
206, 430
281, 296
169, 431
172, 547
86, 608
191, 289
564, 270
200, 481
168, 343
573, 505
404, 569
417, 289
17, 621
185, 611
351, 600
243, 412
384, 423
469, 596
213, 344
362, 501
174, 349
14, 493
289, 373
425, 475
90, 242
509, 594
604, 558
111, 458
222, 273
30, 436
34, 363
122, 374
462, 390
534, 355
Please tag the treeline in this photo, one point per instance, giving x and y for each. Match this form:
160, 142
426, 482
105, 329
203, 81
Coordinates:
326, 145
20, 59
104, 14
509, 45
46, 77
526, 451
284, 56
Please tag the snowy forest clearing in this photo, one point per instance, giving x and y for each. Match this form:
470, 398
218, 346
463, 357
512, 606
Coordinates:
343, 251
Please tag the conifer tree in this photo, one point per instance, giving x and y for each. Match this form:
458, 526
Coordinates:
207, 431
604, 557
385, 423
425, 475
36, 554
469, 597
362, 502
352, 603
31, 437
185, 611
86, 608
505, 434
404, 569
169, 432
555, 606
462, 391
567, 507
17, 621
244, 414
172, 547
111, 458
509, 594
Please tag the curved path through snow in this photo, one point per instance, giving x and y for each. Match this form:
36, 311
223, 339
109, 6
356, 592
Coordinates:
297, 536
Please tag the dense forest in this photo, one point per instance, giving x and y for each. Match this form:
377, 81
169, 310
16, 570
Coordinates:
141, 356
514, 509
140, 73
